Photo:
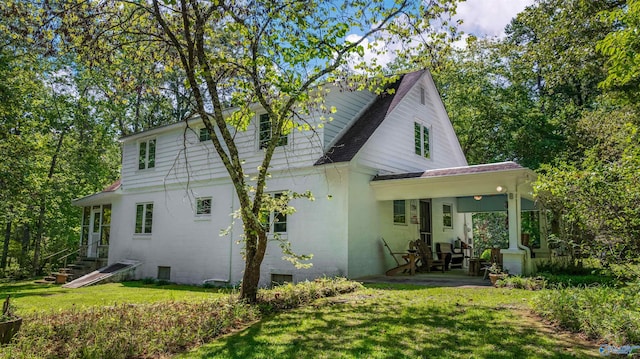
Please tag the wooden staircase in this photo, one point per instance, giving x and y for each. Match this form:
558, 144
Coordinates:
72, 271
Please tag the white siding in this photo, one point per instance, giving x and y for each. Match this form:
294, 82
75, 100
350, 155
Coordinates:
391, 148
195, 251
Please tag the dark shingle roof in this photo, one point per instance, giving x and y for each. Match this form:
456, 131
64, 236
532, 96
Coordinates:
454, 171
351, 141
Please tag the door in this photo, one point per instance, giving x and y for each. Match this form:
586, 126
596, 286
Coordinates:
425, 221
94, 234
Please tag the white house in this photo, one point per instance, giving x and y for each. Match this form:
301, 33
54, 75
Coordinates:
386, 166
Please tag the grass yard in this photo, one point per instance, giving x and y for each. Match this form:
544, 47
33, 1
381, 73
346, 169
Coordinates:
28, 297
378, 321
393, 321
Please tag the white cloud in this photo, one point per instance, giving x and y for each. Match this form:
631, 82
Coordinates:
489, 17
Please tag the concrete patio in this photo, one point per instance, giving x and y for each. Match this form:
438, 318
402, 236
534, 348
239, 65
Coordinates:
452, 278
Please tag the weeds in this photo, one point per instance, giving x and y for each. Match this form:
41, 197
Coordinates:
605, 313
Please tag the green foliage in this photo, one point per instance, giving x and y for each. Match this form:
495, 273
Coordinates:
289, 296
607, 314
489, 231
519, 282
622, 46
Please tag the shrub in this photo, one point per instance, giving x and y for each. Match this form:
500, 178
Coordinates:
605, 313
529, 283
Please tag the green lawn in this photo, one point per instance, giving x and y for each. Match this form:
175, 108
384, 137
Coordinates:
28, 297
392, 321
380, 321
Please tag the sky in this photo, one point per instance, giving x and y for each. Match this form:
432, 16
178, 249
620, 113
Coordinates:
489, 17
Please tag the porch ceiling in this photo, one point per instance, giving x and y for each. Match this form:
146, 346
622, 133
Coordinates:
464, 181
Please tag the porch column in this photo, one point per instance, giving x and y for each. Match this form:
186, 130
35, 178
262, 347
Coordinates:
515, 219
513, 258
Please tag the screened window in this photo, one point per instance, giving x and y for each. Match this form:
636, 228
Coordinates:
203, 206
164, 273
144, 218
106, 225
421, 140
447, 215
265, 132
147, 154
204, 135
399, 212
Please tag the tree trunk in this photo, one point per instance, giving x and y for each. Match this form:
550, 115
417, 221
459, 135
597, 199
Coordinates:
43, 205
255, 248
26, 234
5, 247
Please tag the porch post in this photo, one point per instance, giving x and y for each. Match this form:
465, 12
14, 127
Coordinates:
515, 218
513, 258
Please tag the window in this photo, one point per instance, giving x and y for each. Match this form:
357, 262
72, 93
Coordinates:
203, 206
274, 221
447, 216
204, 135
147, 154
164, 273
86, 215
421, 137
106, 225
265, 132
422, 96
144, 218
399, 212
280, 279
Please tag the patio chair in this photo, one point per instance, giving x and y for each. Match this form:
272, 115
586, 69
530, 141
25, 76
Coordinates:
401, 268
426, 257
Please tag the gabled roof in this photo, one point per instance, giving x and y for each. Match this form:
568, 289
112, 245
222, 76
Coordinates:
351, 141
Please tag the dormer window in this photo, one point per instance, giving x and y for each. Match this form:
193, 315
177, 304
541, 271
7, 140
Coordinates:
265, 132
147, 154
421, 138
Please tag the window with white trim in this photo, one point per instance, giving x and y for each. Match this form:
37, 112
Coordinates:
422, 141
447, 215
266, 133
144, 218
204, 135
203, 206
147, 154
399, 212
274, 221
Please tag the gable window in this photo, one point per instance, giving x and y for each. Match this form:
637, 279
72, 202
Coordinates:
423, 99
399, 212
274, 221
144, 218
147, 154
204, 135
203, 206
421, 140
447, 215
265, 132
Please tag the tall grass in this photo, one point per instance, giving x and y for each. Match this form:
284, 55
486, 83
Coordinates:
604, 313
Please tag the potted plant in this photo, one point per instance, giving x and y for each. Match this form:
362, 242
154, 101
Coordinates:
497, 272
9, 323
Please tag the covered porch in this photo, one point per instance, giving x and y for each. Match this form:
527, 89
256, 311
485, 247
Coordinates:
498, 187
96, 222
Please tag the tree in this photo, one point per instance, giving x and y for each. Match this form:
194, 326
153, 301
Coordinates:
272, 53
